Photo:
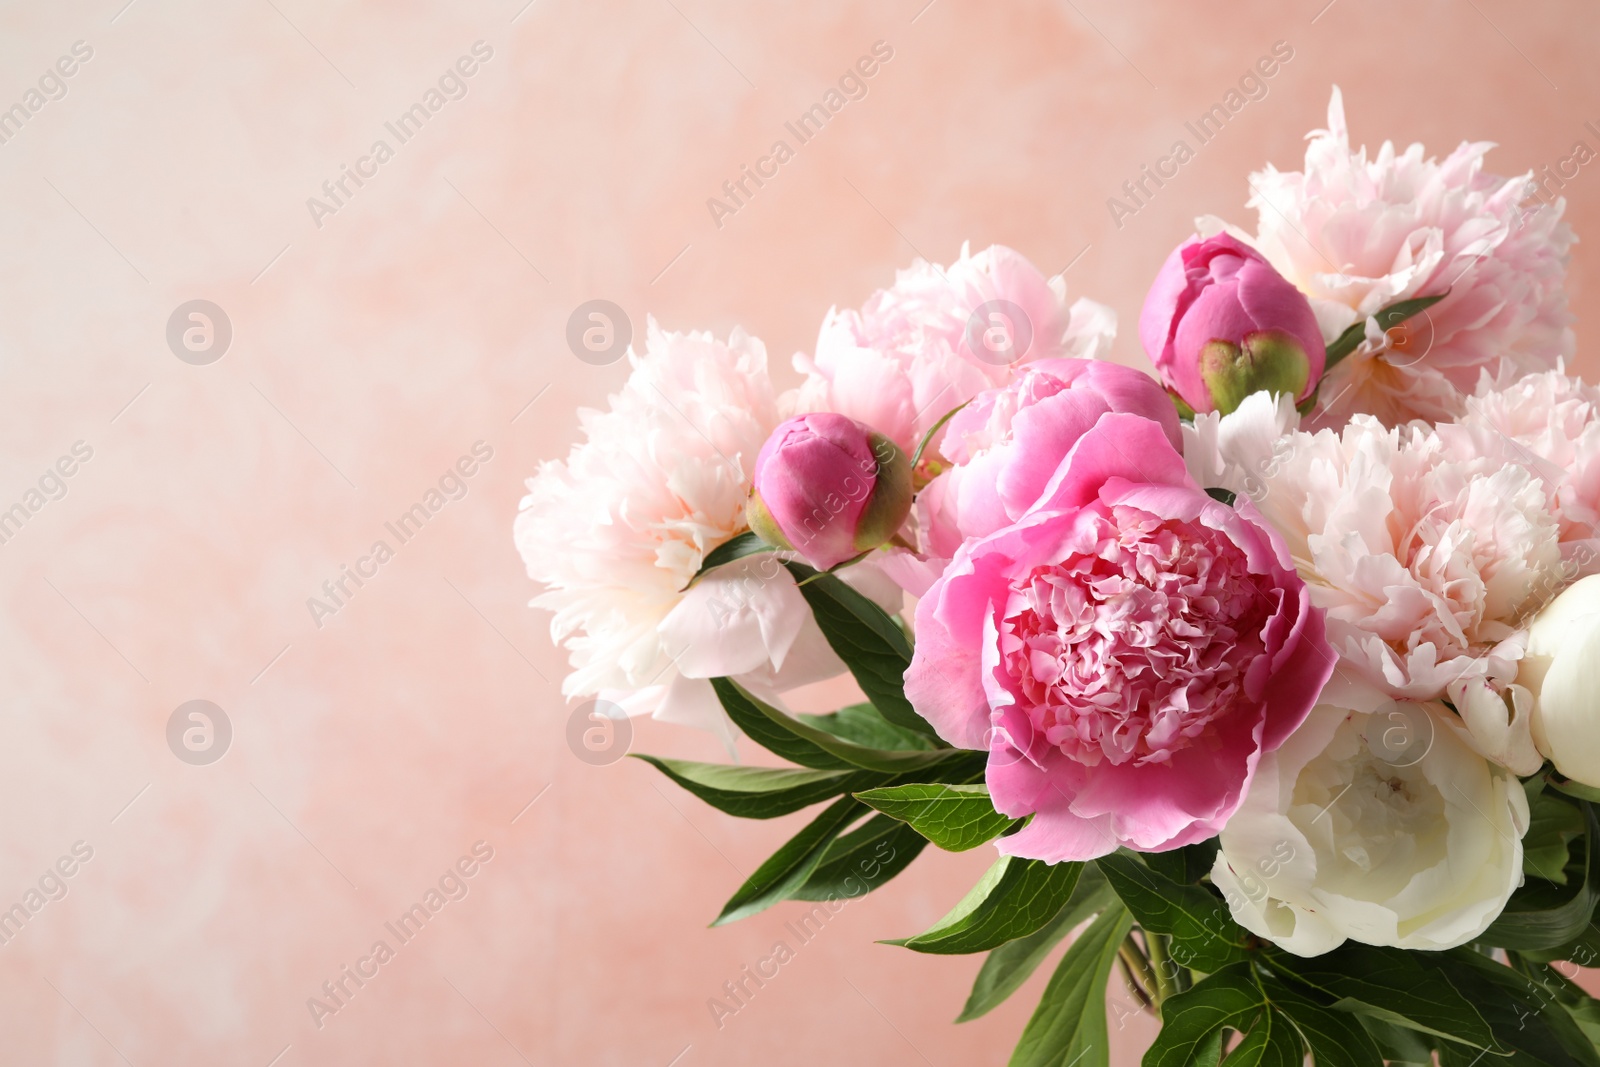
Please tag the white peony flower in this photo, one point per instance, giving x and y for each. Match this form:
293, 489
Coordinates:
617, 530
1358, 234
1562, 671
1233, 451
1379, 824
942, 335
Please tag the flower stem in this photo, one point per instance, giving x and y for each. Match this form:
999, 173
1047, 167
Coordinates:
1137, 968
1162, 968
1133, 983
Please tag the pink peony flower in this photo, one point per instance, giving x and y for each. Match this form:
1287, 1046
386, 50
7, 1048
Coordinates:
828, 488
1125, 651
1219, 324
939, 337
1009, 441
1358, 234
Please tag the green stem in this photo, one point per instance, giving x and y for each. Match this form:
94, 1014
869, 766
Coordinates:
1133, 983
1162, 968
1139, 970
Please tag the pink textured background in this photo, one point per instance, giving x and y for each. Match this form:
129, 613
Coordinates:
425, 316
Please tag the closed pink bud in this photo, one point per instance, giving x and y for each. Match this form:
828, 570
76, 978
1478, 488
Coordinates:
1220, 323
829, 488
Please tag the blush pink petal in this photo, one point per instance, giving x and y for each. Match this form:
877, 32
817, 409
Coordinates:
1125, 447
1055, 834
907, 356
1008, 443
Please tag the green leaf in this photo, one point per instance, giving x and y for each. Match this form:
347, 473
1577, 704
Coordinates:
1007, 967
871, 644
1204, 935
860, 861
1388, 318
758, 792
1399, 1046
1584, 950
1586, 1013
927, 438
1390, 984
1541, 915
787, 869
792, 739
1069, 1025
1525, 1018
1336, 1038
1192, 1021
1222, 496
1184, 865
1583, 1008
1015, 898
837, 567
865, 725
735, 548
954, 817
1272, 1042
1209, 1051
1554, 824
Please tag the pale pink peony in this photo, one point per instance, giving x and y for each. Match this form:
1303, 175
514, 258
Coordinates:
1125, 652
939, 337
1549, 423
1358, 234
1007, 443
1426, 561
616, 530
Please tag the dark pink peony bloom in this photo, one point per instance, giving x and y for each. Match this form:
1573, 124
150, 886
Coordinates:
1125, 652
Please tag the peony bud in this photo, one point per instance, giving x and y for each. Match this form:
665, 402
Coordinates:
1219, 324
1562, 670
829, 488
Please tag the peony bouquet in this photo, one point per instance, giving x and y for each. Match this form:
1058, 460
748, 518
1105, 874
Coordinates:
1275, 675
